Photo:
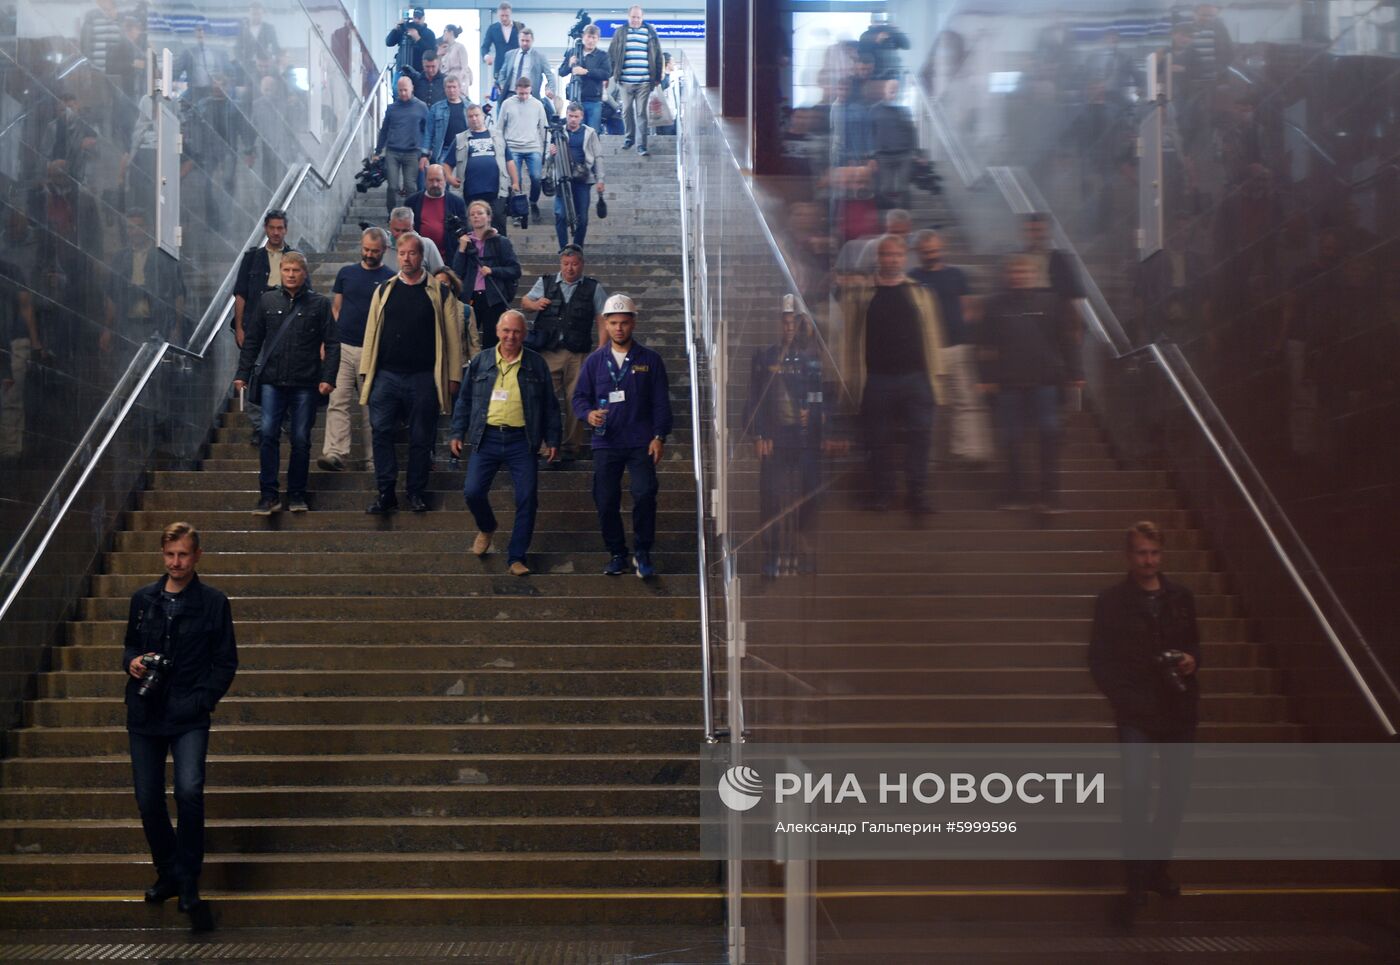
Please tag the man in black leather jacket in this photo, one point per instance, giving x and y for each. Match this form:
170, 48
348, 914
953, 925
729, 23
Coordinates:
1144, 653
189, 624
290, 353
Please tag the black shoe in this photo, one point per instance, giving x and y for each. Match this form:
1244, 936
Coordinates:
266, 506
331, 463
1161, 883
366, 225
417, 504
255, 440
201, 914
628, 143
617, 566
383, 506
534, 211
644, 568
163, 890
642, 152
297, 504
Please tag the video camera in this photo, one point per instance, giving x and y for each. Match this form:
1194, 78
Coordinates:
583, 20
373, 172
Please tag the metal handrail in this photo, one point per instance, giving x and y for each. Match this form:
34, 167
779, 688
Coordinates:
1021, 195
90, 449
712, 733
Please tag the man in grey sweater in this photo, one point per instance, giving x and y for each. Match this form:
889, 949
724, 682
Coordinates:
520, 128
401, 143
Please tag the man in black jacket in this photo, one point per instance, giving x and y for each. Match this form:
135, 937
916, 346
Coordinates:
1144, 651
1027, 352
568, 325
258, 272
413, 38
290, 353
190, 626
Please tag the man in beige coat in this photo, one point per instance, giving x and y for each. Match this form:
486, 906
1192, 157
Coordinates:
411, 365
895, 365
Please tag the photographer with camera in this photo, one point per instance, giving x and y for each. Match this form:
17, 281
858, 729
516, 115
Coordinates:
576, 165
180, 655
588, 69
1144, 652
414, 38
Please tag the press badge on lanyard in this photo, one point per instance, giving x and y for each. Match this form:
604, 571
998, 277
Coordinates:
617, 375
500, 395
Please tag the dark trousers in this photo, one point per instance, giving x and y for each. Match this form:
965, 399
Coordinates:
508, 447
296, 404
399, 398
486, 316
788, 483
498, 212
1022, 408
899, 410
581, 193
608, 465
177, 855
1145, 837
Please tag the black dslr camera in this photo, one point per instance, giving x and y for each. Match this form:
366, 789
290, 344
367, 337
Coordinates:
456, 227
372, 174
1170, 662
158, 668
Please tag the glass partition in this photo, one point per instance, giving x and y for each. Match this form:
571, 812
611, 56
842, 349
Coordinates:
1230, 177
110, 340
847, 616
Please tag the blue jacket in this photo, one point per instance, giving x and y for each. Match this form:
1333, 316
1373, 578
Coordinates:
643, 415
402, 127
537, 397
439, 114
500, 258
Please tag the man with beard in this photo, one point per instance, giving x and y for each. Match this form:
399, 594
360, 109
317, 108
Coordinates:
433, 206
353, 290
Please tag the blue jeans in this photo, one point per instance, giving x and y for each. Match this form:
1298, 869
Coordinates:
1018, 409
510, 448
593, 114
177, 855
1142, 840
899, 409
608, 465
531, 163
407, 398
298, 404
561, 220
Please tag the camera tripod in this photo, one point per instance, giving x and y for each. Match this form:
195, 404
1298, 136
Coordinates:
558, 169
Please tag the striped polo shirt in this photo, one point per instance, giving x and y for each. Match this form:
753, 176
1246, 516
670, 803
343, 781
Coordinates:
634, 59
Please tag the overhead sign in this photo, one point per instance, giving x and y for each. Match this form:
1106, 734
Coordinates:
681, 29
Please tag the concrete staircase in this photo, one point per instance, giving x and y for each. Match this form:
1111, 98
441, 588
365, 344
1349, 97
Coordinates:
414, 736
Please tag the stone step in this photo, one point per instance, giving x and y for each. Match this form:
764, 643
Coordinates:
461, 682
405, 907
410, 712
447, 498
579, 521
519, 602
366, 769
407, 835
578, 546
540, 629
217, 565
312, 740
369, 870
224, 803
461, 657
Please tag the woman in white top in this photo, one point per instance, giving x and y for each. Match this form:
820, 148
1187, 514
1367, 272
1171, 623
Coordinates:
452, 57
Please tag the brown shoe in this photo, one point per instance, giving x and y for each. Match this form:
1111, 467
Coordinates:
519, 569
482, 544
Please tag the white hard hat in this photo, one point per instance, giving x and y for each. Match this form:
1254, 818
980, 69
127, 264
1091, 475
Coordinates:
619, 305
789, 304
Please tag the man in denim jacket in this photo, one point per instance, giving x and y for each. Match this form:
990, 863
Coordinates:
505, 410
